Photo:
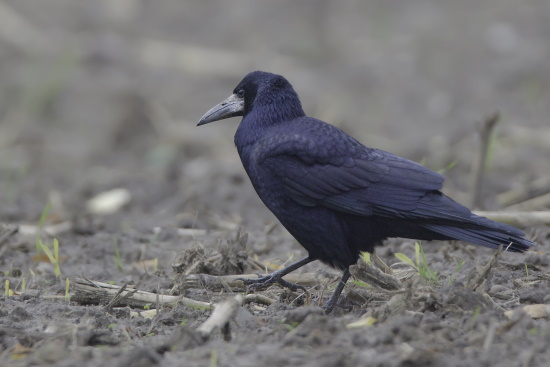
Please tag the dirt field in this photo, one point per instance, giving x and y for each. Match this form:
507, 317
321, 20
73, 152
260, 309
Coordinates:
104, 95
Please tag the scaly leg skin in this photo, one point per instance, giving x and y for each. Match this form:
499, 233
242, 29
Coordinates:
329, 306
277, 277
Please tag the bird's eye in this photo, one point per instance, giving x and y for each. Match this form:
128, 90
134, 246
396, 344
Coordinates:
240, 93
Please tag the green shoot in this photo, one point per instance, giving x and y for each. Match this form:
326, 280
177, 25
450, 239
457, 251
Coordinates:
67, 294
8, 292
54, 259
526, 272
417, 253
475, 316
420, 265
214, 358
423, 268
366, 258
56, 255
360, 283
455, 273
118, 262
404, 258
40, 225
46, 89
491, 144
200, 308
292, 325
447, 168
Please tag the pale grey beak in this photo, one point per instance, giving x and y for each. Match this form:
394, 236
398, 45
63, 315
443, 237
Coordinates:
232, 106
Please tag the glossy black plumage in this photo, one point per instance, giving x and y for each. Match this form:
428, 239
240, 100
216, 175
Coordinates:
336, 196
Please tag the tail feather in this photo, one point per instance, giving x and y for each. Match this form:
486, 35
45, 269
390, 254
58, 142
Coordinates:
513, 242
455, 221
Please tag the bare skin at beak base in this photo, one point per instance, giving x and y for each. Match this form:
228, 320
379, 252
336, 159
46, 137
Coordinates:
232, 106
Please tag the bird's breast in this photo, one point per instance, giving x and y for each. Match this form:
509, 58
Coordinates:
268, 187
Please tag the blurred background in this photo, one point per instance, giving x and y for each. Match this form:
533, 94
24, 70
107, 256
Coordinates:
96, 95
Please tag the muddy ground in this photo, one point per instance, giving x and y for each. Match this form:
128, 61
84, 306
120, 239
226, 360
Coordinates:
104, 95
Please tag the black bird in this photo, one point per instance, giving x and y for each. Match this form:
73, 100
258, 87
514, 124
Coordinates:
336, 196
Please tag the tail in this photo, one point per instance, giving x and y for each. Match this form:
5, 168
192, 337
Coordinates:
459, 223
511, 241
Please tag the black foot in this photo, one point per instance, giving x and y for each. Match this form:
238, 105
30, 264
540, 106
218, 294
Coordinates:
264, 282
329, 306
277, 277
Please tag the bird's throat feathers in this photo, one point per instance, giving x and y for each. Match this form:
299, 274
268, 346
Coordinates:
267, 110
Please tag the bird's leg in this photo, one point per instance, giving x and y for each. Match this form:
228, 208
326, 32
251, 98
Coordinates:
277, 277
329, 306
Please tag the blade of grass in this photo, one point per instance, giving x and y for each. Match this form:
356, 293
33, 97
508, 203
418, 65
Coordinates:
40, 225
118, 262
455, 273
447, 168
53, 259
417, 253
67, 285
404, 258
425, 270
366, 257
9, 292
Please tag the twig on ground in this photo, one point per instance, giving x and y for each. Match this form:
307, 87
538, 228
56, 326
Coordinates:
518, 219
538, 187
261, 266
271, 227
259, 298
381, 264
216, 283
476, 281
479, 172
539, 202
9, 232
119, 297
92, 292
490, 337
492, 302
223, 313
375, 276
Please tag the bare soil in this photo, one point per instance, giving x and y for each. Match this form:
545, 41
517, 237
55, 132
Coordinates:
101, 95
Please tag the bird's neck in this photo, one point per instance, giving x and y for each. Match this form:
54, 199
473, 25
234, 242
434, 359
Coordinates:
260, 121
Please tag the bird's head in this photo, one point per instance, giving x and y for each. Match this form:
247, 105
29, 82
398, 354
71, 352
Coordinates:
259, 90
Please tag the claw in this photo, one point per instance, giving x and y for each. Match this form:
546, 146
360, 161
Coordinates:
277, 277
268, 280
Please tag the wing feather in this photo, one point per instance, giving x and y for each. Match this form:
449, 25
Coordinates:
370, 181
